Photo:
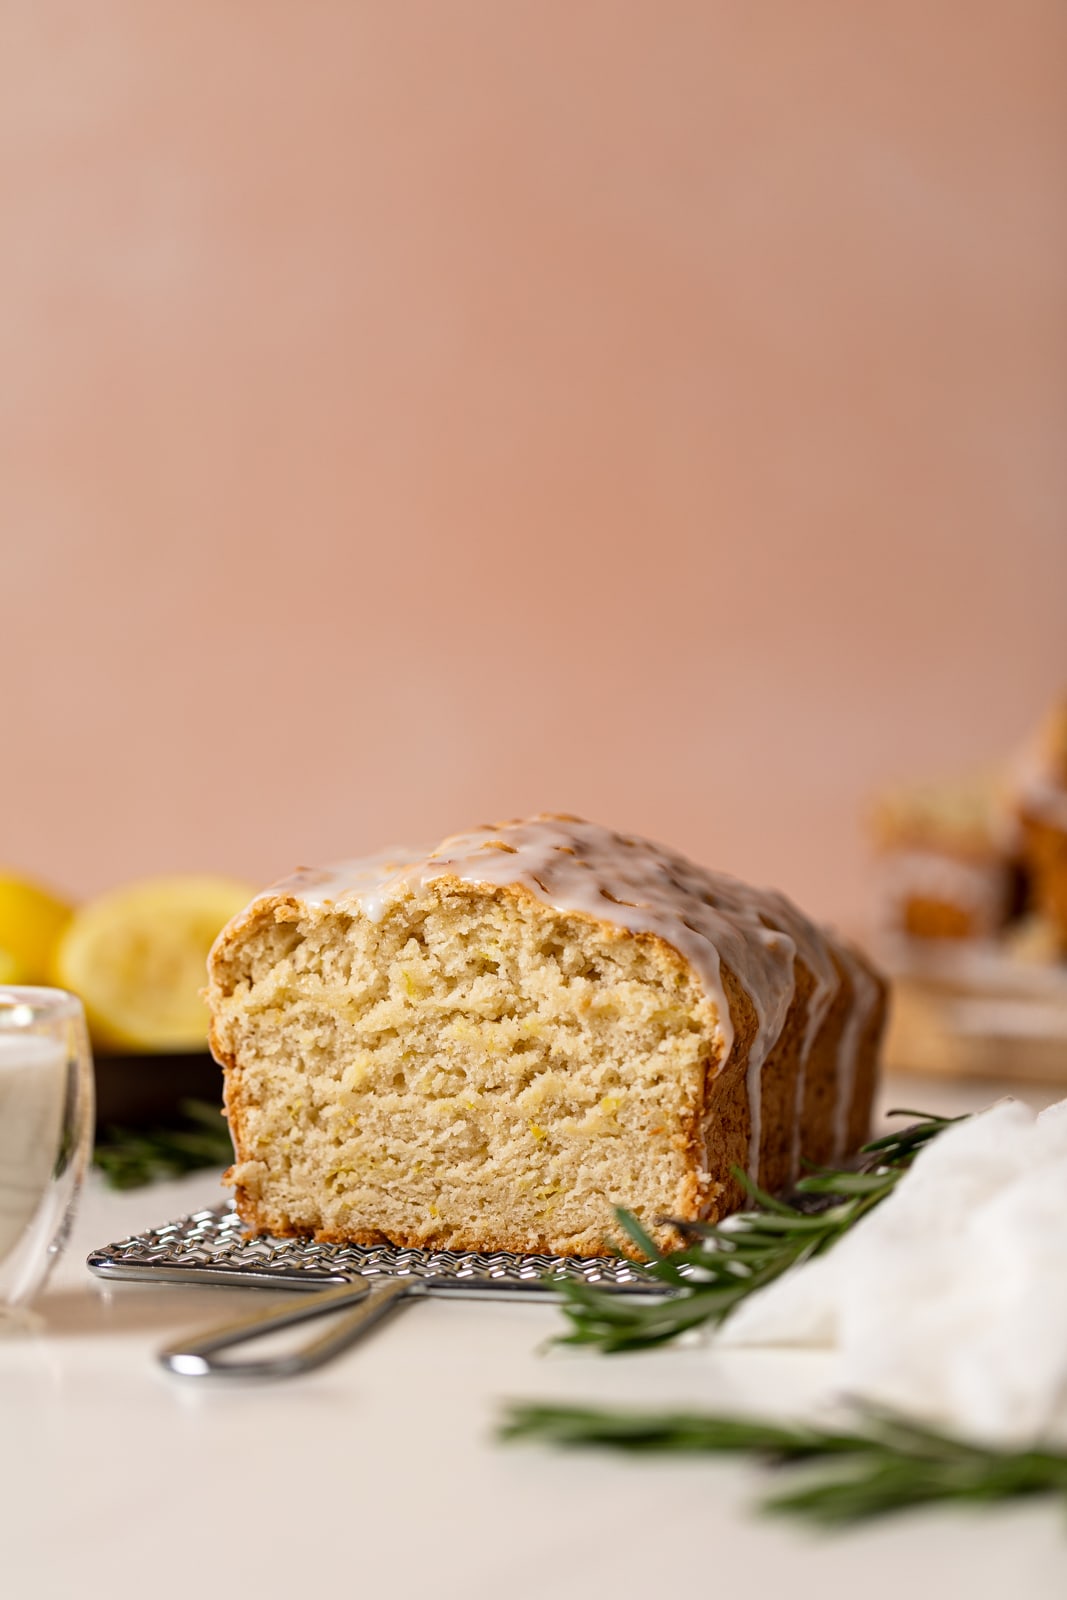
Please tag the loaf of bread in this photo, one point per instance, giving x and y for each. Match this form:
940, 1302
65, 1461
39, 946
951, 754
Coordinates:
492, 1045
944, 862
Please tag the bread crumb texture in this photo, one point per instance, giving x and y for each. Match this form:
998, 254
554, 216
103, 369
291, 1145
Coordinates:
472, 1058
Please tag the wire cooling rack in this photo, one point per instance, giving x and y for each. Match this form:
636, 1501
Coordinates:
213, 1247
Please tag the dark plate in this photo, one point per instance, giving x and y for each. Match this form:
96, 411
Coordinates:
142, 1091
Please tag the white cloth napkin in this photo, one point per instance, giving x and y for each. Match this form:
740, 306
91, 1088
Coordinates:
949, 1301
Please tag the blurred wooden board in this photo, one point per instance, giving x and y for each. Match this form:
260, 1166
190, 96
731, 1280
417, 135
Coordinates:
976, 1014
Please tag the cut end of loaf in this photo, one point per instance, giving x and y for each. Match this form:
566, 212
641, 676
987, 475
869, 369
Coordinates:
474, 1071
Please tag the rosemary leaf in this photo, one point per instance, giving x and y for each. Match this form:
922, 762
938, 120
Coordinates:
886, 1464
724, 1263
129, 1158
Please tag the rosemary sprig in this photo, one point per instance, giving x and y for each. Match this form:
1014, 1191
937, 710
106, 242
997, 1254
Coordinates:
726, 1262
130, 1158
885, 1464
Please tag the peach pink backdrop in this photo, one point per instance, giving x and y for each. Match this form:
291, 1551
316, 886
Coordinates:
415, 414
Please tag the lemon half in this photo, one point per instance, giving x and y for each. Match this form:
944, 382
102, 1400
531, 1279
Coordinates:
136, 957
31, 921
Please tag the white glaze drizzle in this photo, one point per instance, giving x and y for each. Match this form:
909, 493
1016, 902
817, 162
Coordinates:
865, 993
578, 866
362, 880
814, 950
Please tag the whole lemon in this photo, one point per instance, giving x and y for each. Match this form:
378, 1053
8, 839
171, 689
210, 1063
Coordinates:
31, 921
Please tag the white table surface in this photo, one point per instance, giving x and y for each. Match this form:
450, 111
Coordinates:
380, 1475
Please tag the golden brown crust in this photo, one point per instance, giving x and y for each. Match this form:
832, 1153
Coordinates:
1045, 851
721, 1143
259, 1220
817, 1118
865, 1078
778, 1088
924, 917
